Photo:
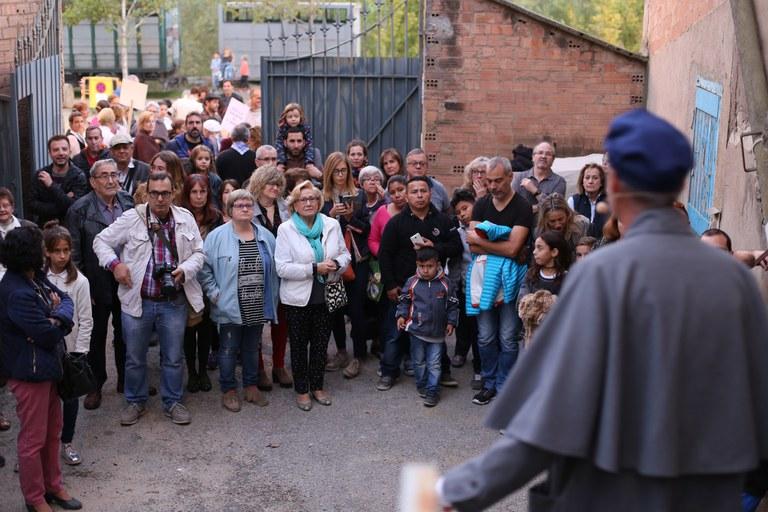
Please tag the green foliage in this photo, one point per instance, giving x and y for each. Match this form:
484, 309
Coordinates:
385, 26
199, 24
619, 22
95, 11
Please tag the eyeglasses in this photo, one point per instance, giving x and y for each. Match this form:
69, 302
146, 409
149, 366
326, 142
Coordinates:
340, 171
242, 206
307, 199
478, 171
107, 176
155, 194
372, 178
418, 163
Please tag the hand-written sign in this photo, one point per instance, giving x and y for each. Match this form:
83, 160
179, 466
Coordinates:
237, 112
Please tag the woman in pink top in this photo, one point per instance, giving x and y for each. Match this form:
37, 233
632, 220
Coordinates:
396, 190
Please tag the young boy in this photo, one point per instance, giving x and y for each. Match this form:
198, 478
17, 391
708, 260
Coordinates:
585, 246
428, 310
466, 332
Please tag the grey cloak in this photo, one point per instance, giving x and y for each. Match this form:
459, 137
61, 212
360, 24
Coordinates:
645, 389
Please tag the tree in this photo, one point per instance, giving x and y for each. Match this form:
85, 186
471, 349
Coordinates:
121, 16
385, 26
199, 31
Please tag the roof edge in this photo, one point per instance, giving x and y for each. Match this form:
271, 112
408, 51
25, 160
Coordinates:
565, 28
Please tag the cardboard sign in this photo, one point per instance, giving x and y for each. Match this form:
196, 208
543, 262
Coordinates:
237, 112
133, 94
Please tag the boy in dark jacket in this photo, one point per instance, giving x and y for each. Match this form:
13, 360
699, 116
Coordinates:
428, 310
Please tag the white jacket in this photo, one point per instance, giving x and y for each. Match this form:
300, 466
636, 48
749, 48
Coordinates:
294, 258
129, 235
79, 340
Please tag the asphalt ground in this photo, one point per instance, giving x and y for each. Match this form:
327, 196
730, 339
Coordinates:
346, 457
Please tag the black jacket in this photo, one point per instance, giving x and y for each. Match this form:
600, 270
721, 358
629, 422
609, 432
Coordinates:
81, 161
47, 203
582, 206
397, 256
85, 221
231, 165
138, 174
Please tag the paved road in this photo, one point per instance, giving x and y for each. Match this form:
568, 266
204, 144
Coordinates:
346, 457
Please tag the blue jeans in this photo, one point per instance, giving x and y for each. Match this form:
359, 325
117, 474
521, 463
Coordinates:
245, 339
169, 320
497, 331
425, 357
393, 341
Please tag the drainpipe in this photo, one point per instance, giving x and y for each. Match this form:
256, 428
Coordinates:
755, 83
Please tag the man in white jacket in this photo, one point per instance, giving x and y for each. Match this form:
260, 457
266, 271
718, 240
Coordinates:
154, 251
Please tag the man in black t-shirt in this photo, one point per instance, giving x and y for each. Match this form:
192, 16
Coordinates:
499, 326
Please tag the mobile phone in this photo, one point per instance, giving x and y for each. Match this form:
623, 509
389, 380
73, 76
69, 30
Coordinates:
417, 239
349, 199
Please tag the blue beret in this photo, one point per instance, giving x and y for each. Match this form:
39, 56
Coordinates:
647, 153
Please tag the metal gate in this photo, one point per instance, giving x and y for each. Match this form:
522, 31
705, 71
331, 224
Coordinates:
367, 87
706, 120
32, 113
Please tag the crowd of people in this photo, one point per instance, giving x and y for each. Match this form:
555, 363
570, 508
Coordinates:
202, 239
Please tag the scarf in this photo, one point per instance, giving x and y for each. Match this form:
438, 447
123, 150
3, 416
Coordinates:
313, 236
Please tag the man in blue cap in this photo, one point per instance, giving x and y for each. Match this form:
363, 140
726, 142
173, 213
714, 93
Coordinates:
645, 388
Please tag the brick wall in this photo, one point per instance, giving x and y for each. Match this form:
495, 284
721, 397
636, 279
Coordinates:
15, 16
495, 77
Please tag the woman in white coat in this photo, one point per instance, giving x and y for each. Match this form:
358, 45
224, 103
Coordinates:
310, 253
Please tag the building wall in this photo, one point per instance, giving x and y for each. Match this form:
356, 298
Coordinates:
681, 48
14, 16
495, 77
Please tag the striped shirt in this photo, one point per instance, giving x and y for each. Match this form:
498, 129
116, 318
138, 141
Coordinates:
250, 283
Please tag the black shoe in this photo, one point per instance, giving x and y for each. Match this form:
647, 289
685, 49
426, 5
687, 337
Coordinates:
193, 383
70, 504
447, 381
385, 383
484, 397
205, 382
431, 400
2, 461
152, 391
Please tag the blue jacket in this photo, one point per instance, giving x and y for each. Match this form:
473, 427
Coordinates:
218, 276
428, 306
32, 346
180, 146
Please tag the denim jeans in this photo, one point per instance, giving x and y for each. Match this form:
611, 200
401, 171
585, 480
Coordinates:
394, 342
169, 319
497, 331
425, 357
243, 339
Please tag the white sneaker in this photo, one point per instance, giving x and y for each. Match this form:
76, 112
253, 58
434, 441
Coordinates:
70, 455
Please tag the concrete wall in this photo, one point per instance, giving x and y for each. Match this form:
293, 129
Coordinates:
14, 15
495, 77
687, 39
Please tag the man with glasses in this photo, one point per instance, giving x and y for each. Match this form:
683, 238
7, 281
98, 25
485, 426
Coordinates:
130, 172
154, 251
87, 217
538, 183
417, 165
266, 155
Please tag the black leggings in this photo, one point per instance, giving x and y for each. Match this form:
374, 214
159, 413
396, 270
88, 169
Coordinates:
309, 330
70, 410
197, 343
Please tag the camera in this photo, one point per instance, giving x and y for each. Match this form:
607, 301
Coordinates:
167, 284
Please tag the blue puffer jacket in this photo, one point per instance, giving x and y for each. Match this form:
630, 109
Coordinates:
428, 306
32, 346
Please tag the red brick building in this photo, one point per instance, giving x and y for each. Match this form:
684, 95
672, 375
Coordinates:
497, 75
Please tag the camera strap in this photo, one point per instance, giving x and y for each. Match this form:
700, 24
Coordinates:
163, 239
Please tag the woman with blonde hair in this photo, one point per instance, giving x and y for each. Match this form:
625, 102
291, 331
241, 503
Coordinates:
556, 215
267, 185
310, 256
144, 145
474, 176
106, 117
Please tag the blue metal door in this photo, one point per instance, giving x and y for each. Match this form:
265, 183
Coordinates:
706, 119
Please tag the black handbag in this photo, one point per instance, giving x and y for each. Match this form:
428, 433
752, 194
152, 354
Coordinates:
78, 379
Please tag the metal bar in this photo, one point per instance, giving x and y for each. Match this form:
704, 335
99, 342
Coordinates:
117, 52
94, 60
71, 48
162, 41
383, 126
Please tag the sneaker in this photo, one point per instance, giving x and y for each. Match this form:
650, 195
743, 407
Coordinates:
422, 392
458, 361
484, 397
477, 382
70, 455
431, 399
352, 370
132, 413
179, 414
253, 395
213, 359
385, 383
447, 381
